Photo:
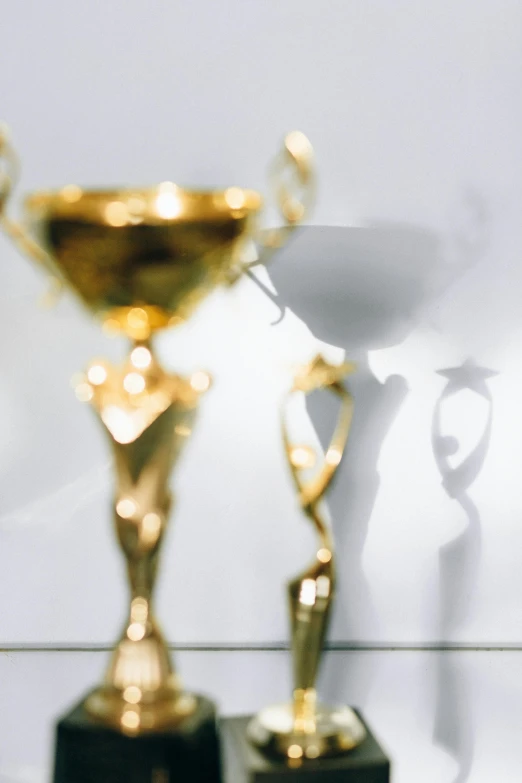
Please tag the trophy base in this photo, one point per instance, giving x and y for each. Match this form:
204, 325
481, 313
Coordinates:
89, 752
337, 730
244, 763
166, 710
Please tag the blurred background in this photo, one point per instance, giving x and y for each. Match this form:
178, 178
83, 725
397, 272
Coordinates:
410, 266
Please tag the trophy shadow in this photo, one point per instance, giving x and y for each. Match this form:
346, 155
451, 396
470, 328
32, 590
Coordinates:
361, 289
459, 562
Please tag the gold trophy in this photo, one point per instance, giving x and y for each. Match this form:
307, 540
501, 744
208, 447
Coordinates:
141, 260
304, 729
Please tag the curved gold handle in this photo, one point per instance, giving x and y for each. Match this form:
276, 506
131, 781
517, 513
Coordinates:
319, 375
9, 168
292, 179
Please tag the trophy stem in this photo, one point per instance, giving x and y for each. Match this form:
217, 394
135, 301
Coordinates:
305, 710
310, 598
147, 415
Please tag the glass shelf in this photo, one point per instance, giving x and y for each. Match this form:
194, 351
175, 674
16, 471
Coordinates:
437, 713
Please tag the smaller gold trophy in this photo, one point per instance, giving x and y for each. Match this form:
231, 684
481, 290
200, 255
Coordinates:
304, 729
142, 260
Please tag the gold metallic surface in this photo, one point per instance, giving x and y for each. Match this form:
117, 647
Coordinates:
140, 267
147, 422
292, 179
304, 729
331, 731
142, 260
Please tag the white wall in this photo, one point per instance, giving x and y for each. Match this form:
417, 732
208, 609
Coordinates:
414, 111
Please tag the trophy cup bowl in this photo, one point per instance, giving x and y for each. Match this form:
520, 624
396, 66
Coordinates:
142, 260
161, 249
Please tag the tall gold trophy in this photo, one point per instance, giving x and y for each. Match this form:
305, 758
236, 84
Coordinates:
304, 729
141, 261
304, 739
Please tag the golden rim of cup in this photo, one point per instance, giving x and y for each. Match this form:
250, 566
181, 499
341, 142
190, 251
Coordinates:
164, 203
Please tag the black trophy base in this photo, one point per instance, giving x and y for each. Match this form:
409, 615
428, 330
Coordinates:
244, 763
88, 752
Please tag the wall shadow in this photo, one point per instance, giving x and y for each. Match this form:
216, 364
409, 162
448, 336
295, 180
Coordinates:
459, 562
360, 289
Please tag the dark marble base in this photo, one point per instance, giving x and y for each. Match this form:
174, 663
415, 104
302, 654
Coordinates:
245, 764
87, 752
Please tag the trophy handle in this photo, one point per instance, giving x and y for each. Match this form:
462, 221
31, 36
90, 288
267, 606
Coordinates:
9, 172
292, 179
